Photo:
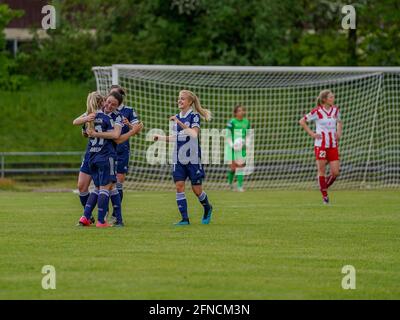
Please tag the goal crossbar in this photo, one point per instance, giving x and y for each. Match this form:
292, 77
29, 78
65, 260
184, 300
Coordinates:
276, 98
253, 68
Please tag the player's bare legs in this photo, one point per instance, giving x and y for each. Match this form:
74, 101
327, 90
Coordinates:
334, 168
180, 186
240, 163
321, 167
121, 177
197, 189
84, 180
233, 167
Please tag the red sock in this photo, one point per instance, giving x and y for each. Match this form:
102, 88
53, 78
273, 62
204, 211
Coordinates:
322, 186
330, 180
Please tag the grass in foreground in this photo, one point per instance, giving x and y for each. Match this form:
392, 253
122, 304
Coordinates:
260, 245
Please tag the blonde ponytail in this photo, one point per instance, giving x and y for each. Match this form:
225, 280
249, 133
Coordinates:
204, 113
94, 102
323, 95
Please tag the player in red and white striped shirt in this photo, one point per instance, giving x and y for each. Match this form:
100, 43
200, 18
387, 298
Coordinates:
328, 132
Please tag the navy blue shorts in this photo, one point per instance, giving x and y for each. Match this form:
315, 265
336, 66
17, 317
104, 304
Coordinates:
194, 172
123, 162
85, 168
103, 173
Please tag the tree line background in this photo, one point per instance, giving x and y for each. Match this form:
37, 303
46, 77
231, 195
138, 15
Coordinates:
203, 32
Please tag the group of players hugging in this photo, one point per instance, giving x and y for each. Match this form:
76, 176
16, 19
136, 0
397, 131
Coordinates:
108, 124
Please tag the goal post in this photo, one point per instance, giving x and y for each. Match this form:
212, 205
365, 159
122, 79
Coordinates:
275, 99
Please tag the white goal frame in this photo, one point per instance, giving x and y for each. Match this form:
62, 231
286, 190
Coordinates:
376, 92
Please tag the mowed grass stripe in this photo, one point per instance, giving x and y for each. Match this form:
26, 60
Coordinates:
260, 245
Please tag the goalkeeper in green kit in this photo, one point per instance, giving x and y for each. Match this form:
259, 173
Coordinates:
235, 149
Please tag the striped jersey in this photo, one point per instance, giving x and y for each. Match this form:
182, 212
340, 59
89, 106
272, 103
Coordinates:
325, 122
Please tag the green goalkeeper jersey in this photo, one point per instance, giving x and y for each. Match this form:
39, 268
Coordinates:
238, 129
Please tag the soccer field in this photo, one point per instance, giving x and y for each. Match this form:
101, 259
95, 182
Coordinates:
260, 245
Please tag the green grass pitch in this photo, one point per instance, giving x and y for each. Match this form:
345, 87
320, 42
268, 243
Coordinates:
260, 245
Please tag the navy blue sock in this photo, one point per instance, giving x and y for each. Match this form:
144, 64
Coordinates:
204, 202
182, 205
120, 188
91, 203
116, 203
84, 196
102, 205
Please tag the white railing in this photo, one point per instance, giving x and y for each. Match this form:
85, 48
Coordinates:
42, 168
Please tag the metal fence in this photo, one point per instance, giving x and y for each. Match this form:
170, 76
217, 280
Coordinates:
40, 166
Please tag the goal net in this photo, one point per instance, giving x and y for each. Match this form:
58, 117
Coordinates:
275, 99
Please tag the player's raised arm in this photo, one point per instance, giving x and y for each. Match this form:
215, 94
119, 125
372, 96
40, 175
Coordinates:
160, 137
193, 132
82, 119
112, 134
133, 130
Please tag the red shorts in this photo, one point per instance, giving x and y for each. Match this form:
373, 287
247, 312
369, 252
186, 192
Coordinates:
329, 154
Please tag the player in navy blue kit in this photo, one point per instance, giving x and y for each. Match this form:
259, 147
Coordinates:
187, 154
123, 149
129, 129
95, 100
102, 157
109, 107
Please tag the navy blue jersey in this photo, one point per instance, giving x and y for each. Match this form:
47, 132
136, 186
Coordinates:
85, 163
116, 117
102, 149
187, 149
130, 114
